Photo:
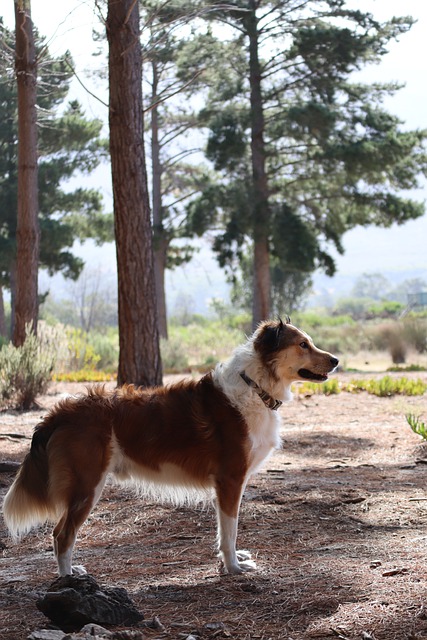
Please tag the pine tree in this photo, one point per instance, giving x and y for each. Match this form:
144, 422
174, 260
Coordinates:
27, 228
139, 356
68, 144
303, 153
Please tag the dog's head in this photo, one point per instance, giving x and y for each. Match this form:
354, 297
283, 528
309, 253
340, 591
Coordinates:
290, 354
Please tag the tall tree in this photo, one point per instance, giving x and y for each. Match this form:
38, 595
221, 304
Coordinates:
302, 153
174, 177
27, 245
68, 144
139, 357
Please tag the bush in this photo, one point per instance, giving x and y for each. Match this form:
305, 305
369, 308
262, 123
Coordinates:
417, 425
385, 309
81, 353
174, 358
390, 336
203, 344
105, 346
389, 386
25, 372
384, 387
415, 332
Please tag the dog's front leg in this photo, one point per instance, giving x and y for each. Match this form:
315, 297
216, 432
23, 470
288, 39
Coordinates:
229, 495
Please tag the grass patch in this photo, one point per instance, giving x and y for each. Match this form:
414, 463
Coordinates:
417, 425
84, 375
408, 368
384, 387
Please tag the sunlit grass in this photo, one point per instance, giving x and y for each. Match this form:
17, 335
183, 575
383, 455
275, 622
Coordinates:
383, 387
417, 425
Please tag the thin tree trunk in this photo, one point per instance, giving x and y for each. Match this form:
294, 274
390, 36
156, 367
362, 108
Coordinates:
139, 357
160, 240
261, 212
27, 233
3, 328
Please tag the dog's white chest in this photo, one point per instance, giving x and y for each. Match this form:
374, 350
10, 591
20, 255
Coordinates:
264, 437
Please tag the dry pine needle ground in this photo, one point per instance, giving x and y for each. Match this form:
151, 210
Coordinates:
337, 521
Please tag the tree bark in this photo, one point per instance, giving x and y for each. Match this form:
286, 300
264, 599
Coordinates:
261, 210
139, 357
160, 239
3, 328
27, 234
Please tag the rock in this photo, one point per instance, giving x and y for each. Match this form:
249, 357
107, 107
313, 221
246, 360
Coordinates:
96, 630
46, 634
73, 601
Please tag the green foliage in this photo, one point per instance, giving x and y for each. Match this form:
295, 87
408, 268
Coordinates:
25, 372
385, 309
174, 357
417, 425
313, 320
329, 388
389, 386
105, 346
85, 352
383, 387
81, 353
205, 343
68, 144
415, 331
333, 156
409, 368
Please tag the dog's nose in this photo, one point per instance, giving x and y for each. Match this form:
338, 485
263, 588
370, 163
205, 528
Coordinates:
334, 361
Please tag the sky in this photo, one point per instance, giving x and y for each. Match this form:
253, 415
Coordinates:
400, 251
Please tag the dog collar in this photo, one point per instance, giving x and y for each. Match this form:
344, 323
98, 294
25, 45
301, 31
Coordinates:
268, 400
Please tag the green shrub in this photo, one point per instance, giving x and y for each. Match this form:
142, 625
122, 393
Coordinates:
385, 309
199, 343
415, 332
105, 346
81, 353
328, 388
25, 372
384, 387
388, 386
417, 425
174, 358
407, 368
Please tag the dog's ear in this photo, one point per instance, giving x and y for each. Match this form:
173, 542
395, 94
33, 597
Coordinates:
271, 336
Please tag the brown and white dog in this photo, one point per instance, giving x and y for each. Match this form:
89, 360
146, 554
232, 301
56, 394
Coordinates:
201, 438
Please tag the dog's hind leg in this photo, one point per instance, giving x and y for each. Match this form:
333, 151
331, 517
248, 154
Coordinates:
229, 494
79, 507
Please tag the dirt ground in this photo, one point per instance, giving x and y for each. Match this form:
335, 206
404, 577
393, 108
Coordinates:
337, 522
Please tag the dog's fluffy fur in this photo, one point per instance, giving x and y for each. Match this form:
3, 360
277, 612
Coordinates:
192, 438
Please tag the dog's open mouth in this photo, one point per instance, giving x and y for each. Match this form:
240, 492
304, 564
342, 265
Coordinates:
310, 375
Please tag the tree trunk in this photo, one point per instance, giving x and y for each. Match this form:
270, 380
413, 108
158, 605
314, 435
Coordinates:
3, 328
160, 239
261, 211
27, 233
139, 357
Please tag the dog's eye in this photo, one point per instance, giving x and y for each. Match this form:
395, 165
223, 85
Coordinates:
304, 345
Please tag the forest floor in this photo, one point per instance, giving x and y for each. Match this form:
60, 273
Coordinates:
337, 523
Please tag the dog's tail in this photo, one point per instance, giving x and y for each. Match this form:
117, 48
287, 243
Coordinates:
27, 502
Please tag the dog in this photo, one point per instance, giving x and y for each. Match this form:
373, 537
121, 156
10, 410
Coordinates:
197, 439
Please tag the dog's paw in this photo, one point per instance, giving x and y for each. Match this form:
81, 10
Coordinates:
242, 563
78, 570
245, 560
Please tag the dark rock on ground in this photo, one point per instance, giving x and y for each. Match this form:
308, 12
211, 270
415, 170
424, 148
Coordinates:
73, 601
